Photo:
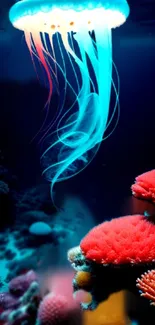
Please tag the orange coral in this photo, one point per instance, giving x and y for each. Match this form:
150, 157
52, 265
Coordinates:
147, 285
83, 279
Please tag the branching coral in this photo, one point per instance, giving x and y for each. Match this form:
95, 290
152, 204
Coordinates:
42, 300
21, 302
146, 284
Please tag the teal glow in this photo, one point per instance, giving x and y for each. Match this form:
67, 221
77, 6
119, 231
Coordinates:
31, 7
82, 126
79, 137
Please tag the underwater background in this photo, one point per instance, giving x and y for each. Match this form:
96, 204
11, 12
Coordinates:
102, 190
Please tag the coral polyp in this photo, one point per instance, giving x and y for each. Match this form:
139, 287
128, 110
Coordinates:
146, 285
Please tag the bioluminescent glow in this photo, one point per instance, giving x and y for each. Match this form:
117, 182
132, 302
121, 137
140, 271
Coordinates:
87, 27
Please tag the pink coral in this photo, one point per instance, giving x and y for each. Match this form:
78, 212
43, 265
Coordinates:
59, 306
53, 309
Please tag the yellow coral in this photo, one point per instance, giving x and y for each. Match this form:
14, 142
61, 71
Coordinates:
83, 279
110, 312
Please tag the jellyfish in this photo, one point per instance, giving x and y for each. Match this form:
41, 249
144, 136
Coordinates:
79, 31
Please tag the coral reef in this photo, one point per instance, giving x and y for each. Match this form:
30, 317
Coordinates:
112, 252
35, 204
19, 305
20, 284
45, 299
22, 250
8, 193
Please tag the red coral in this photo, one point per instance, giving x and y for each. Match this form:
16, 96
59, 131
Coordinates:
129, 239
147, 285
144, 186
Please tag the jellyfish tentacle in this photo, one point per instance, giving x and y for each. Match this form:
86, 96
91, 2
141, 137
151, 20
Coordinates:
66, 81
85, 89
89, 134
117, 97
39, 48
63, 97
63, 70
40, 54
31, 51
116, 107
88, 103
47, 51
104, 49
73, 49
46, 130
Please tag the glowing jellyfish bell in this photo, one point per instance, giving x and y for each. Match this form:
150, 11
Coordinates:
81, 127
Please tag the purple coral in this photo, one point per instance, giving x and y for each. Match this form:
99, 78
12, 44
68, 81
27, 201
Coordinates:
20, 284
26, 303
21, 302
8, 301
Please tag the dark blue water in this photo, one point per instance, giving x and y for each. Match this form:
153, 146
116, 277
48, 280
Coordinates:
104, 186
